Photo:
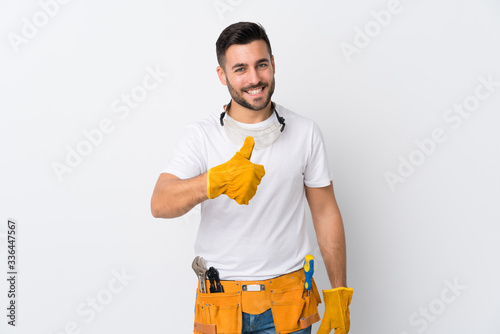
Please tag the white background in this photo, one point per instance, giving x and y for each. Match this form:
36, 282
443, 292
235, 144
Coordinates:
405, 243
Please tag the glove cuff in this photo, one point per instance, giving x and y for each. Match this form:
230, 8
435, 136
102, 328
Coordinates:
209, 194
337, 314
216, 183
339, 289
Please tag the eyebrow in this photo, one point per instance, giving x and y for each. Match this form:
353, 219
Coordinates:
260, 61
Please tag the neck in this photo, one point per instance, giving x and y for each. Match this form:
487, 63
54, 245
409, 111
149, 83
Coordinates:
249, 116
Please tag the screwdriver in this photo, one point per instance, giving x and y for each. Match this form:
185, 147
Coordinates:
309, 271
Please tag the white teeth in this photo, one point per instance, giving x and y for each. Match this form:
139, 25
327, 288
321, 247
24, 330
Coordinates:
255, 91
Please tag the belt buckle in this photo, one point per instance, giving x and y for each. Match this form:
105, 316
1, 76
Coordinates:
253, 287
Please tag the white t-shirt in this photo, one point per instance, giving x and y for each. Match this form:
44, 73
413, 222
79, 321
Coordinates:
268, 237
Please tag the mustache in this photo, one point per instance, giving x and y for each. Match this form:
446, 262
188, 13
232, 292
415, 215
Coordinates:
255, 86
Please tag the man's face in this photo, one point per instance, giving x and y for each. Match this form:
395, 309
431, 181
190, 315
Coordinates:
249, 74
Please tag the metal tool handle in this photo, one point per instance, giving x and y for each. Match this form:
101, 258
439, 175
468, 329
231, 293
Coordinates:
215, 285
200, 268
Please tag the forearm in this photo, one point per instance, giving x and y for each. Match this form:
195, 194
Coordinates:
333, 250
173, 197
337, 299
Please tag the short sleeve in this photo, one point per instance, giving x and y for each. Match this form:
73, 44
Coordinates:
317, 173
188, 159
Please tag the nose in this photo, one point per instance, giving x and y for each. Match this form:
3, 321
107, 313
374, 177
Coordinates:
253, 77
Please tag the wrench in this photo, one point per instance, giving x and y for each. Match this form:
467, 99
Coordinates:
200, 268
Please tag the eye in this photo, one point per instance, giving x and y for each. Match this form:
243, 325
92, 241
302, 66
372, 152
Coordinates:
240, 69
263, 65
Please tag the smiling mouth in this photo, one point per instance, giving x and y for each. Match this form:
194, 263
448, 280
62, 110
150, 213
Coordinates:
255, 91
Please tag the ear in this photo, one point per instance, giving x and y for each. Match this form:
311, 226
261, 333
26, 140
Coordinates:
222, 75
272, 63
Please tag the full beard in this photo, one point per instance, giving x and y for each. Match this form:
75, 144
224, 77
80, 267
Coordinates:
259, 103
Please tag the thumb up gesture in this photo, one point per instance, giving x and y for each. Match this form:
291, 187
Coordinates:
238, 178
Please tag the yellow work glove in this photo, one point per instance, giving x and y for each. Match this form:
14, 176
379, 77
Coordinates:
336, 311
238, 178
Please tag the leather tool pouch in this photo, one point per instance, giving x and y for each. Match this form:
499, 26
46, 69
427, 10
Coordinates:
293, 309
218, 313
221, 313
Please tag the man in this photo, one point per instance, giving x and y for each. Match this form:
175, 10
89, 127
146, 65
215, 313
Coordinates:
256, 235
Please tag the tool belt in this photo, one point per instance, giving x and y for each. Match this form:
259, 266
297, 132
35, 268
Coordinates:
292, 308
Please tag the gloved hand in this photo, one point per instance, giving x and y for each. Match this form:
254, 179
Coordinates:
238, 178
336, 311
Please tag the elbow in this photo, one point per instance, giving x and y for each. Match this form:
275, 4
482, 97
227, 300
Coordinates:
158, 213
155, 213
157, 210
160, 210
161, 202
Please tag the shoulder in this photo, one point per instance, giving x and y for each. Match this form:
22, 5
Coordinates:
206, 125
295, 121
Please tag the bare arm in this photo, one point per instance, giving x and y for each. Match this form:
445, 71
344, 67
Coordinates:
173, 197
329, 229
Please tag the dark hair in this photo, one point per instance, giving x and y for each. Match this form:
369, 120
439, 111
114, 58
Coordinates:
240, 33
